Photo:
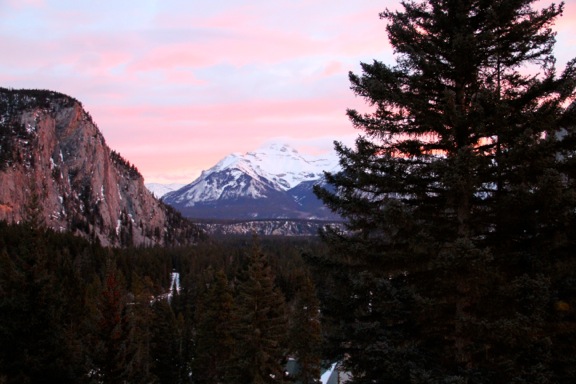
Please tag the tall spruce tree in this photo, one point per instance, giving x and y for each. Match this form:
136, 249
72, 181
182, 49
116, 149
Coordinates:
459, 198
306, 332
214, 339
39, 340
261, 329
111, 350
165, 347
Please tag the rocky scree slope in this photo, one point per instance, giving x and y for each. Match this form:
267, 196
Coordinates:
54, 161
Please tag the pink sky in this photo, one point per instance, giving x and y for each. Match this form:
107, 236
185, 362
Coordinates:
176, 85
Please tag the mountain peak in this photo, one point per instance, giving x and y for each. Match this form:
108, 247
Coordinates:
252, 181
278, 163
272, 147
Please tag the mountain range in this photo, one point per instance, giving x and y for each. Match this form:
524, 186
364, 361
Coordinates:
57, 170
272, 182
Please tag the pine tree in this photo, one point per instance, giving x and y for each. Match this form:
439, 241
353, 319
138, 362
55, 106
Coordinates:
261, 329
141, 330
459, 196
214, 338
165, 343
39, 340
306, 333
33, 215
111, 350
183, 306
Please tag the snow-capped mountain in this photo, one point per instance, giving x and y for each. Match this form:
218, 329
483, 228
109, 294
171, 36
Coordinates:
274, 181
280, 164
160, 190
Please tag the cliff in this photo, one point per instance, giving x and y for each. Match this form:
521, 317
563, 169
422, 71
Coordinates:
55, 167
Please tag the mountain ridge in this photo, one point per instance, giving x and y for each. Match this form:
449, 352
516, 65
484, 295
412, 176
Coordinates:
52, 154
272, 182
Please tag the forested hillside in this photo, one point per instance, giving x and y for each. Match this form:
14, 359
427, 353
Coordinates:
74, 312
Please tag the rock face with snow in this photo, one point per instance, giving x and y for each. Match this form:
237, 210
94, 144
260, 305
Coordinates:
273, 182
55, 161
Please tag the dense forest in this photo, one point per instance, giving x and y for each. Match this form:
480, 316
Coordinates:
72, 311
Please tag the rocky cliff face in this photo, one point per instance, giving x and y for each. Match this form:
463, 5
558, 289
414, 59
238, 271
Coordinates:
55, 162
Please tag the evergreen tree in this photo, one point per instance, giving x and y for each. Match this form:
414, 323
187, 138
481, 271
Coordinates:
306, 333
39, 340
214, 339
165, 344
262, 325
33, 215
459, 197
111, 346
184, 306
141, 331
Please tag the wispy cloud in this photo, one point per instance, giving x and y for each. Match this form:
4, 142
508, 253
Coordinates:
175, 85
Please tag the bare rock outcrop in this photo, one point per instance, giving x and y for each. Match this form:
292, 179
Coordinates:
54, 161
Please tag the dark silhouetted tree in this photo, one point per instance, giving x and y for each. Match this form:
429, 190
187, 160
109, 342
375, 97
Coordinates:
215, 320
306, 332
459, 197
261, 329
165, 347
112, 350
39, 308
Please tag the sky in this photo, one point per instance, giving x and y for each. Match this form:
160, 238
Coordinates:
176, 85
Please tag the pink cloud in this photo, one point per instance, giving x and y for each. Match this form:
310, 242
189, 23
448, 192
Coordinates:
171, 56
566, 24
180, 140
25, 3
261, 47
174, 90
332, 68
246, 34
183, 76
256, 112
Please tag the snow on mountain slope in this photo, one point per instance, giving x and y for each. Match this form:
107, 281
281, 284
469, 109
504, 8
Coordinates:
280, 164
160, 190
274, 181
275, 167
227, 184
